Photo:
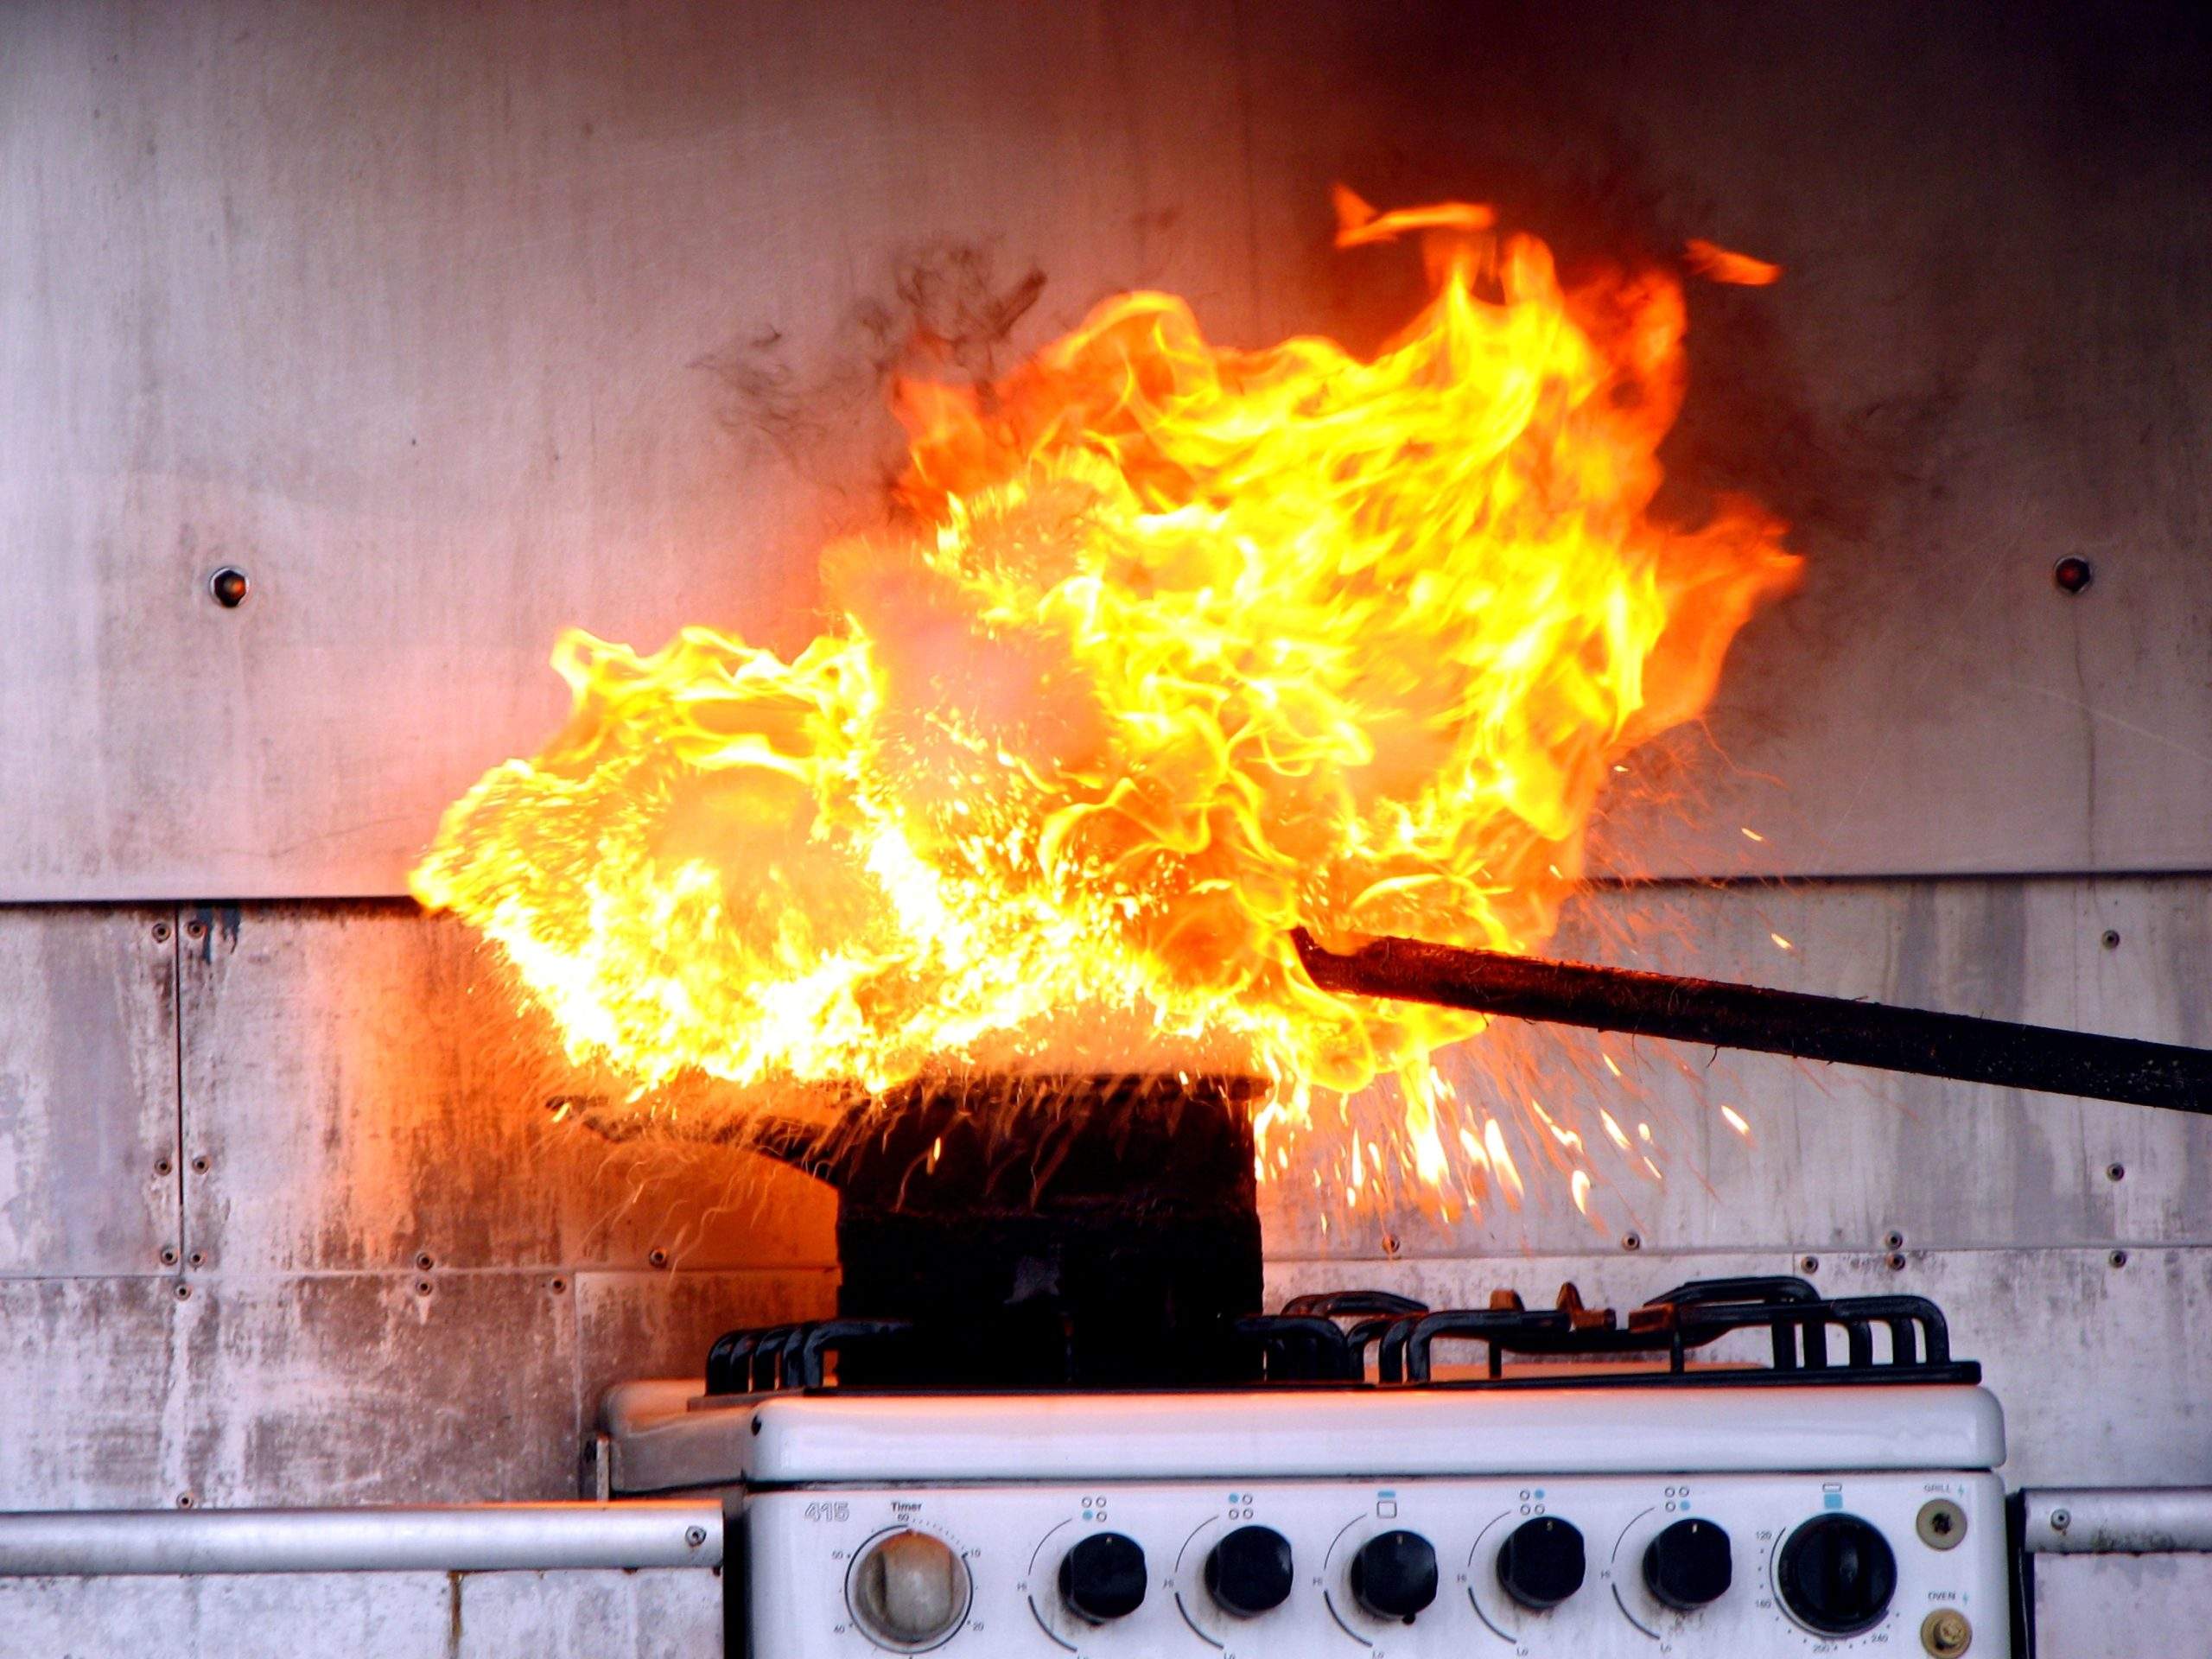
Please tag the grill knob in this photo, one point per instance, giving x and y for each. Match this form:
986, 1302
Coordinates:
1540, 1562
910, 1590
1689, 1565
1103, 1578
1249, 1572
1837, 1574
1394, 1575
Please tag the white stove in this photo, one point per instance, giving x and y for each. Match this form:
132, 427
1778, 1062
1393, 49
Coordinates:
1793, 1507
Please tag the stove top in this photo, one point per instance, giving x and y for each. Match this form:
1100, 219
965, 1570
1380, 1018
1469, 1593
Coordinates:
1367, 1338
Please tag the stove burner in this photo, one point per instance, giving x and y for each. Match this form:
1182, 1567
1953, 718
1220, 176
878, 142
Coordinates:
1326, 1340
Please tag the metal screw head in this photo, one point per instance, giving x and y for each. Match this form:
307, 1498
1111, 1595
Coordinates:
161, 933
422, 1286
1942, 1524
1896, 1262
1809, 1264
184, 1293
657, 1258
2111, 938
200, 1165
1631, 1240
2061, 1519
2072, 574
558, 1285
1389, 1244
198, 1258
1946, 1634
186, 1500
196, 929
423, 1261
2116, 1172
230, 586
695, 1537
2117, 1258
1894, 1241
168, 1255
163, 1166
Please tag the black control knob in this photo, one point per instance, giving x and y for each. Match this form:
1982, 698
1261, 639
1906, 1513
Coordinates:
1689, 1565
1103, 1577
1249, 1572
1837, 1574
1541, 1563
1394, 1575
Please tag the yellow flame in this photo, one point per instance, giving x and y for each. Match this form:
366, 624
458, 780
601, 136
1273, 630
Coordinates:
1174, 647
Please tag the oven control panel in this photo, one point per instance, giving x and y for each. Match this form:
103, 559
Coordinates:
1888, 1564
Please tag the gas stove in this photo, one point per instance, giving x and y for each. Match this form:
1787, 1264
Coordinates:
1739, 1467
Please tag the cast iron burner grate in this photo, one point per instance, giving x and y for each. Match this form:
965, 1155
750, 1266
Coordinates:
1326, 1339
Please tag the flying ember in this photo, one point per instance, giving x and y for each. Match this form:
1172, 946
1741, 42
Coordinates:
1174, 648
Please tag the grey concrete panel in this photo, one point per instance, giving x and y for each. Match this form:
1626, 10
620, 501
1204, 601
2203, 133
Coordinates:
1987, 353
88, 1172
2121, 1606
634, 1325
365, 1091
1835, 1157
444, 1387
93, 1392
567, 320
456, 329
659, 1614
663, 1613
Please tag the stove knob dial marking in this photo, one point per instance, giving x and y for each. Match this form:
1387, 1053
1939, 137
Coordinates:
1541, 1562
909, 1589
1249, 1572
1103, 1577
1689, 1566
1394, 1575
1836, 1574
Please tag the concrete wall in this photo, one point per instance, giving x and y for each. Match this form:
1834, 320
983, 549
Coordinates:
454, 327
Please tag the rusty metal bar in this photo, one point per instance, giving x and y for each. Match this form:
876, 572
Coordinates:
1716, 1014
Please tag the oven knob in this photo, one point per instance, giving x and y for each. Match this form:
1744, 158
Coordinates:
1837, 1574
1103, 1577
1540, 1562
1689, 1565
909, 1589
1249, 1572
1394, 1575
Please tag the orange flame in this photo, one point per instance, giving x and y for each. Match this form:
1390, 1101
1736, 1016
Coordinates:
1178, 647
1716, 264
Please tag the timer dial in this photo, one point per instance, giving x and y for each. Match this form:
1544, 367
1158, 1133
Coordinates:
909, 1590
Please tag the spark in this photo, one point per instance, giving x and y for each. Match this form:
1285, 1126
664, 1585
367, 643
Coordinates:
1736, 1121
1780, 943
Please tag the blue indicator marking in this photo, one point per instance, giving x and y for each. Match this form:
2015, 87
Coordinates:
1831, 1500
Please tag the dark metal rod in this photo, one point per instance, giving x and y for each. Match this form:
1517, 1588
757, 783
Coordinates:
1715, 1013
